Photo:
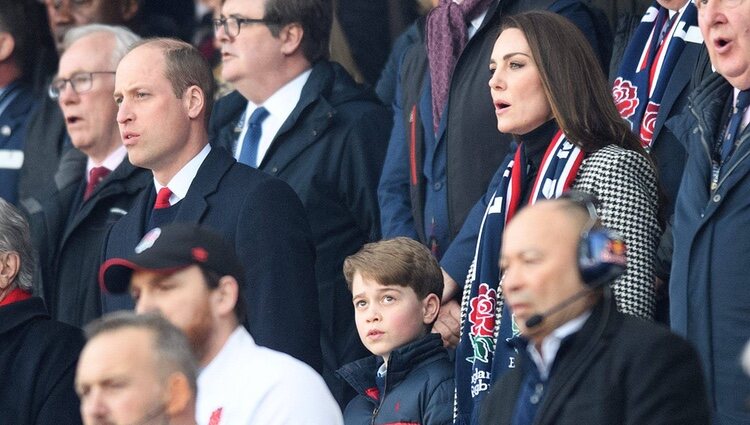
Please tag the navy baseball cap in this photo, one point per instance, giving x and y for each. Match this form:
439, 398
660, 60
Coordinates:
169, 249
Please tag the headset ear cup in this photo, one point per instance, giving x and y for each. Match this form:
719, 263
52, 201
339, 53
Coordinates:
601, 257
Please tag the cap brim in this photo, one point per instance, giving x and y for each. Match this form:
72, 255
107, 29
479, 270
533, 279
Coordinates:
115, 273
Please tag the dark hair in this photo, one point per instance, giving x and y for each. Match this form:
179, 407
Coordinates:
315, 17
185, 67
212, 281
171, 347
401, 262
573, 82
34, 52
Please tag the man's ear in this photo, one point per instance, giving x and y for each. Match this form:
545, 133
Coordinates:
291, 38
195, 101
10, 264
430, 308
225, 296
128, 9
179, 394
7, 45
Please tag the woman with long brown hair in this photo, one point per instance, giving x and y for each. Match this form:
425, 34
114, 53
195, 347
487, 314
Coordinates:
549, 92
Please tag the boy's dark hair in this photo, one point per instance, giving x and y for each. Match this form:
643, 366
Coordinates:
400, 262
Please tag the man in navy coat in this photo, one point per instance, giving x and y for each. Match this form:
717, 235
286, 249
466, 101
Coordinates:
321, 133
164, 89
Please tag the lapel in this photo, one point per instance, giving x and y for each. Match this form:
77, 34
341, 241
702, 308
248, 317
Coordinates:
308, 121
124, 179
574, 360
206, 182
227, 126
678, 82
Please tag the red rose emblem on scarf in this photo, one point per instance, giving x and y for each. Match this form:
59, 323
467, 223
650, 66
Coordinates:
649, 122
482, 313
626, 97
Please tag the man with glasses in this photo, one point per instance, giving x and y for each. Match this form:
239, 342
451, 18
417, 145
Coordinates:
301, 118
90, 191
710, 285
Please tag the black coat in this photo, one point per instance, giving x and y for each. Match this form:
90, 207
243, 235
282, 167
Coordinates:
418, 388
38, 359
68, 234
331, 151
266, 223
616, 370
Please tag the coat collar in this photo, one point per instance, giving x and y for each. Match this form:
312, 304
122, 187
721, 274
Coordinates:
18, 313
361, 373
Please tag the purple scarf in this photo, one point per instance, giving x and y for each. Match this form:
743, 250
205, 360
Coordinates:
446, 39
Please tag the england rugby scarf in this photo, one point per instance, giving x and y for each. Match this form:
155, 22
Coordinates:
647, 65
483, 319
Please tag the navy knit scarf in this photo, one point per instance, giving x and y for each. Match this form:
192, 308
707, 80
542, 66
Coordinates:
483, 319
648, 64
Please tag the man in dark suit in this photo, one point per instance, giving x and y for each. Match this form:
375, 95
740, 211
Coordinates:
321, 133
95, 184
164, 89
580, 361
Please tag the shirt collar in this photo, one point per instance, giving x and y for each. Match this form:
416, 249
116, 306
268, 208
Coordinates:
475, 24
111, 162
181, 181
551, 344
281, 104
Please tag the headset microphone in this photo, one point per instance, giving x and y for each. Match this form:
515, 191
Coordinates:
537, 319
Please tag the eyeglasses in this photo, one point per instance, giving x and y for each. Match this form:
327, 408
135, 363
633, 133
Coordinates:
80, 82
232, 25
700, 4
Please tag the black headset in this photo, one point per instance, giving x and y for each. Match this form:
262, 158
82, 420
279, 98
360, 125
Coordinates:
601, 251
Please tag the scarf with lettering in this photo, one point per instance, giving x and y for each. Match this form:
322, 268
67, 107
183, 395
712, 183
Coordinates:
647, 65
484, 321
446, 38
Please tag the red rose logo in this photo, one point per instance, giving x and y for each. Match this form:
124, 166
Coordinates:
649, 122
626, 97
482, 313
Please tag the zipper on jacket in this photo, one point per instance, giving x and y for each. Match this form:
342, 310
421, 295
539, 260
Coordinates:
380, 404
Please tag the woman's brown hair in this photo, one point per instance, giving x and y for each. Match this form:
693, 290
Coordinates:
573, 82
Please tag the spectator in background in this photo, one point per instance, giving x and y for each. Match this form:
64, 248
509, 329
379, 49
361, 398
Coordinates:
192, 277
444, 148
90, 192
21, 47
709, 288
300, 117
136, 370
37, 355
580, 361
164, 89
550, 93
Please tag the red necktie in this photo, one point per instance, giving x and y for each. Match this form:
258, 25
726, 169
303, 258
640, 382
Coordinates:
162, 198
96, 175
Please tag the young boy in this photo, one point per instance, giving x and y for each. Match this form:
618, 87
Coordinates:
396, 286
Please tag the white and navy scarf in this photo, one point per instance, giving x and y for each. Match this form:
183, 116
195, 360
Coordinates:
483, 320
648, 63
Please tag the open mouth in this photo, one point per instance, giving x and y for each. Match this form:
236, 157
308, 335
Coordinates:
501, 106
722, 43
72, 120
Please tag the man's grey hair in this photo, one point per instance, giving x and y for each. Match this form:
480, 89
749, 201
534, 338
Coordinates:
15, 237
124, 38
171, 348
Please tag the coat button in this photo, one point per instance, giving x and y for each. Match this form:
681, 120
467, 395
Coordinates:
695, 130
5, 130
438, 186
717, 198
315, 132
275, 170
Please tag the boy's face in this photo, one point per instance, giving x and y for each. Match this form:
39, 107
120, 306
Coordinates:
390, 316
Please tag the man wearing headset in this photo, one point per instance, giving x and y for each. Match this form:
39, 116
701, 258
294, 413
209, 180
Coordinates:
579, 361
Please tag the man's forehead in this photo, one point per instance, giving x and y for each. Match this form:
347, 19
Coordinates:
546, 221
